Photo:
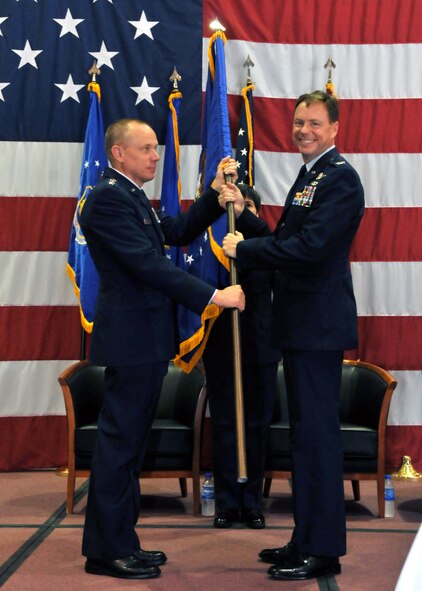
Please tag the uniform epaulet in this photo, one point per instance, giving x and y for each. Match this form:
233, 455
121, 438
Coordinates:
336, 162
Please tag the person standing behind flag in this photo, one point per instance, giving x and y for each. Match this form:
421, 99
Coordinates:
242, 501
135, 334
315, 320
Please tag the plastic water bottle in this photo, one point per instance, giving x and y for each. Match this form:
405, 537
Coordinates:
207, 496
389, 496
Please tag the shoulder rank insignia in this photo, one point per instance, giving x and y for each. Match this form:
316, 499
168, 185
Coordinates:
112, 181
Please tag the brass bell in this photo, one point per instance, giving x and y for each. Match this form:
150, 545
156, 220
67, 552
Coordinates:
407, 471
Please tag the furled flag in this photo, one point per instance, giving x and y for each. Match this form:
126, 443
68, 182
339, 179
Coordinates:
80, 266
171, 186
245, 138
205, 257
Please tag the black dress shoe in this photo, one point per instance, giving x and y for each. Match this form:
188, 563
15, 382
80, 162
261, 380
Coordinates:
304, 566
225, 518
151, 557
275, 555
131, 567
253, 519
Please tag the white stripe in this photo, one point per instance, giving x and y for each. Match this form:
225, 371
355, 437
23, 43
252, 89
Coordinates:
40, 169
406, 404
33, 278
53, 169
189, 159
397, 186
388, 288
368, 71
389, 180
381, 288
30, 388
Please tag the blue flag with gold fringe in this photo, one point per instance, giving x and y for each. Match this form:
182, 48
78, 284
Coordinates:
80, 266
205, 257
245, 138
171, 185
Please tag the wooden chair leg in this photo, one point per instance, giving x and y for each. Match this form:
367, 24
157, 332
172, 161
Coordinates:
183, 487
267, 487
356, 490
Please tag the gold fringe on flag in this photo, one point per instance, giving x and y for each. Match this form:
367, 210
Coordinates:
210, 314
244, 92
210, 55
95, 87
176, 95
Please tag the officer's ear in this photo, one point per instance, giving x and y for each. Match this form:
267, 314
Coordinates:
117, 152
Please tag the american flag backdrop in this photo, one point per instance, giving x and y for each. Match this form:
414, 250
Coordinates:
46, 50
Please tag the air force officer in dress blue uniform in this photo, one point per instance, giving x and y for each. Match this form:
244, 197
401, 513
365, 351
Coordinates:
314, 321
135, 334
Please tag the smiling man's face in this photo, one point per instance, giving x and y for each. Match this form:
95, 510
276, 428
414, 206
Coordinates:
312, 132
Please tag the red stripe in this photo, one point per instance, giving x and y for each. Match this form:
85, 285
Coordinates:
393, 342
360, 130
40, 332
396, 228
51, 332
389, 234
322, 22
47, 435
385, 233
403, 440
33, 442
36, 223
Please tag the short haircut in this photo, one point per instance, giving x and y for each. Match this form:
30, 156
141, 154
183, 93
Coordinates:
248, 191
117, 132
318, 96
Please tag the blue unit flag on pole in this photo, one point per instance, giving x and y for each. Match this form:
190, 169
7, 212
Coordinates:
171, 185
205, 257
80, 266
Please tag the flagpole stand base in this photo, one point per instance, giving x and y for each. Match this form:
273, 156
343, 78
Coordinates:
407, 471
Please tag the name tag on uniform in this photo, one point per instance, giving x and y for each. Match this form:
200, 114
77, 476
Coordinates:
305, 198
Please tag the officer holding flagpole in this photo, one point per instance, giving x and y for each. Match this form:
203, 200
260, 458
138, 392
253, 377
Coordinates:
314, 320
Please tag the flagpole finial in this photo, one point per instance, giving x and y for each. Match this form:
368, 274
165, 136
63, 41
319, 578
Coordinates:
175, 78
329, 65
249, 64
215, 25
94, 71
